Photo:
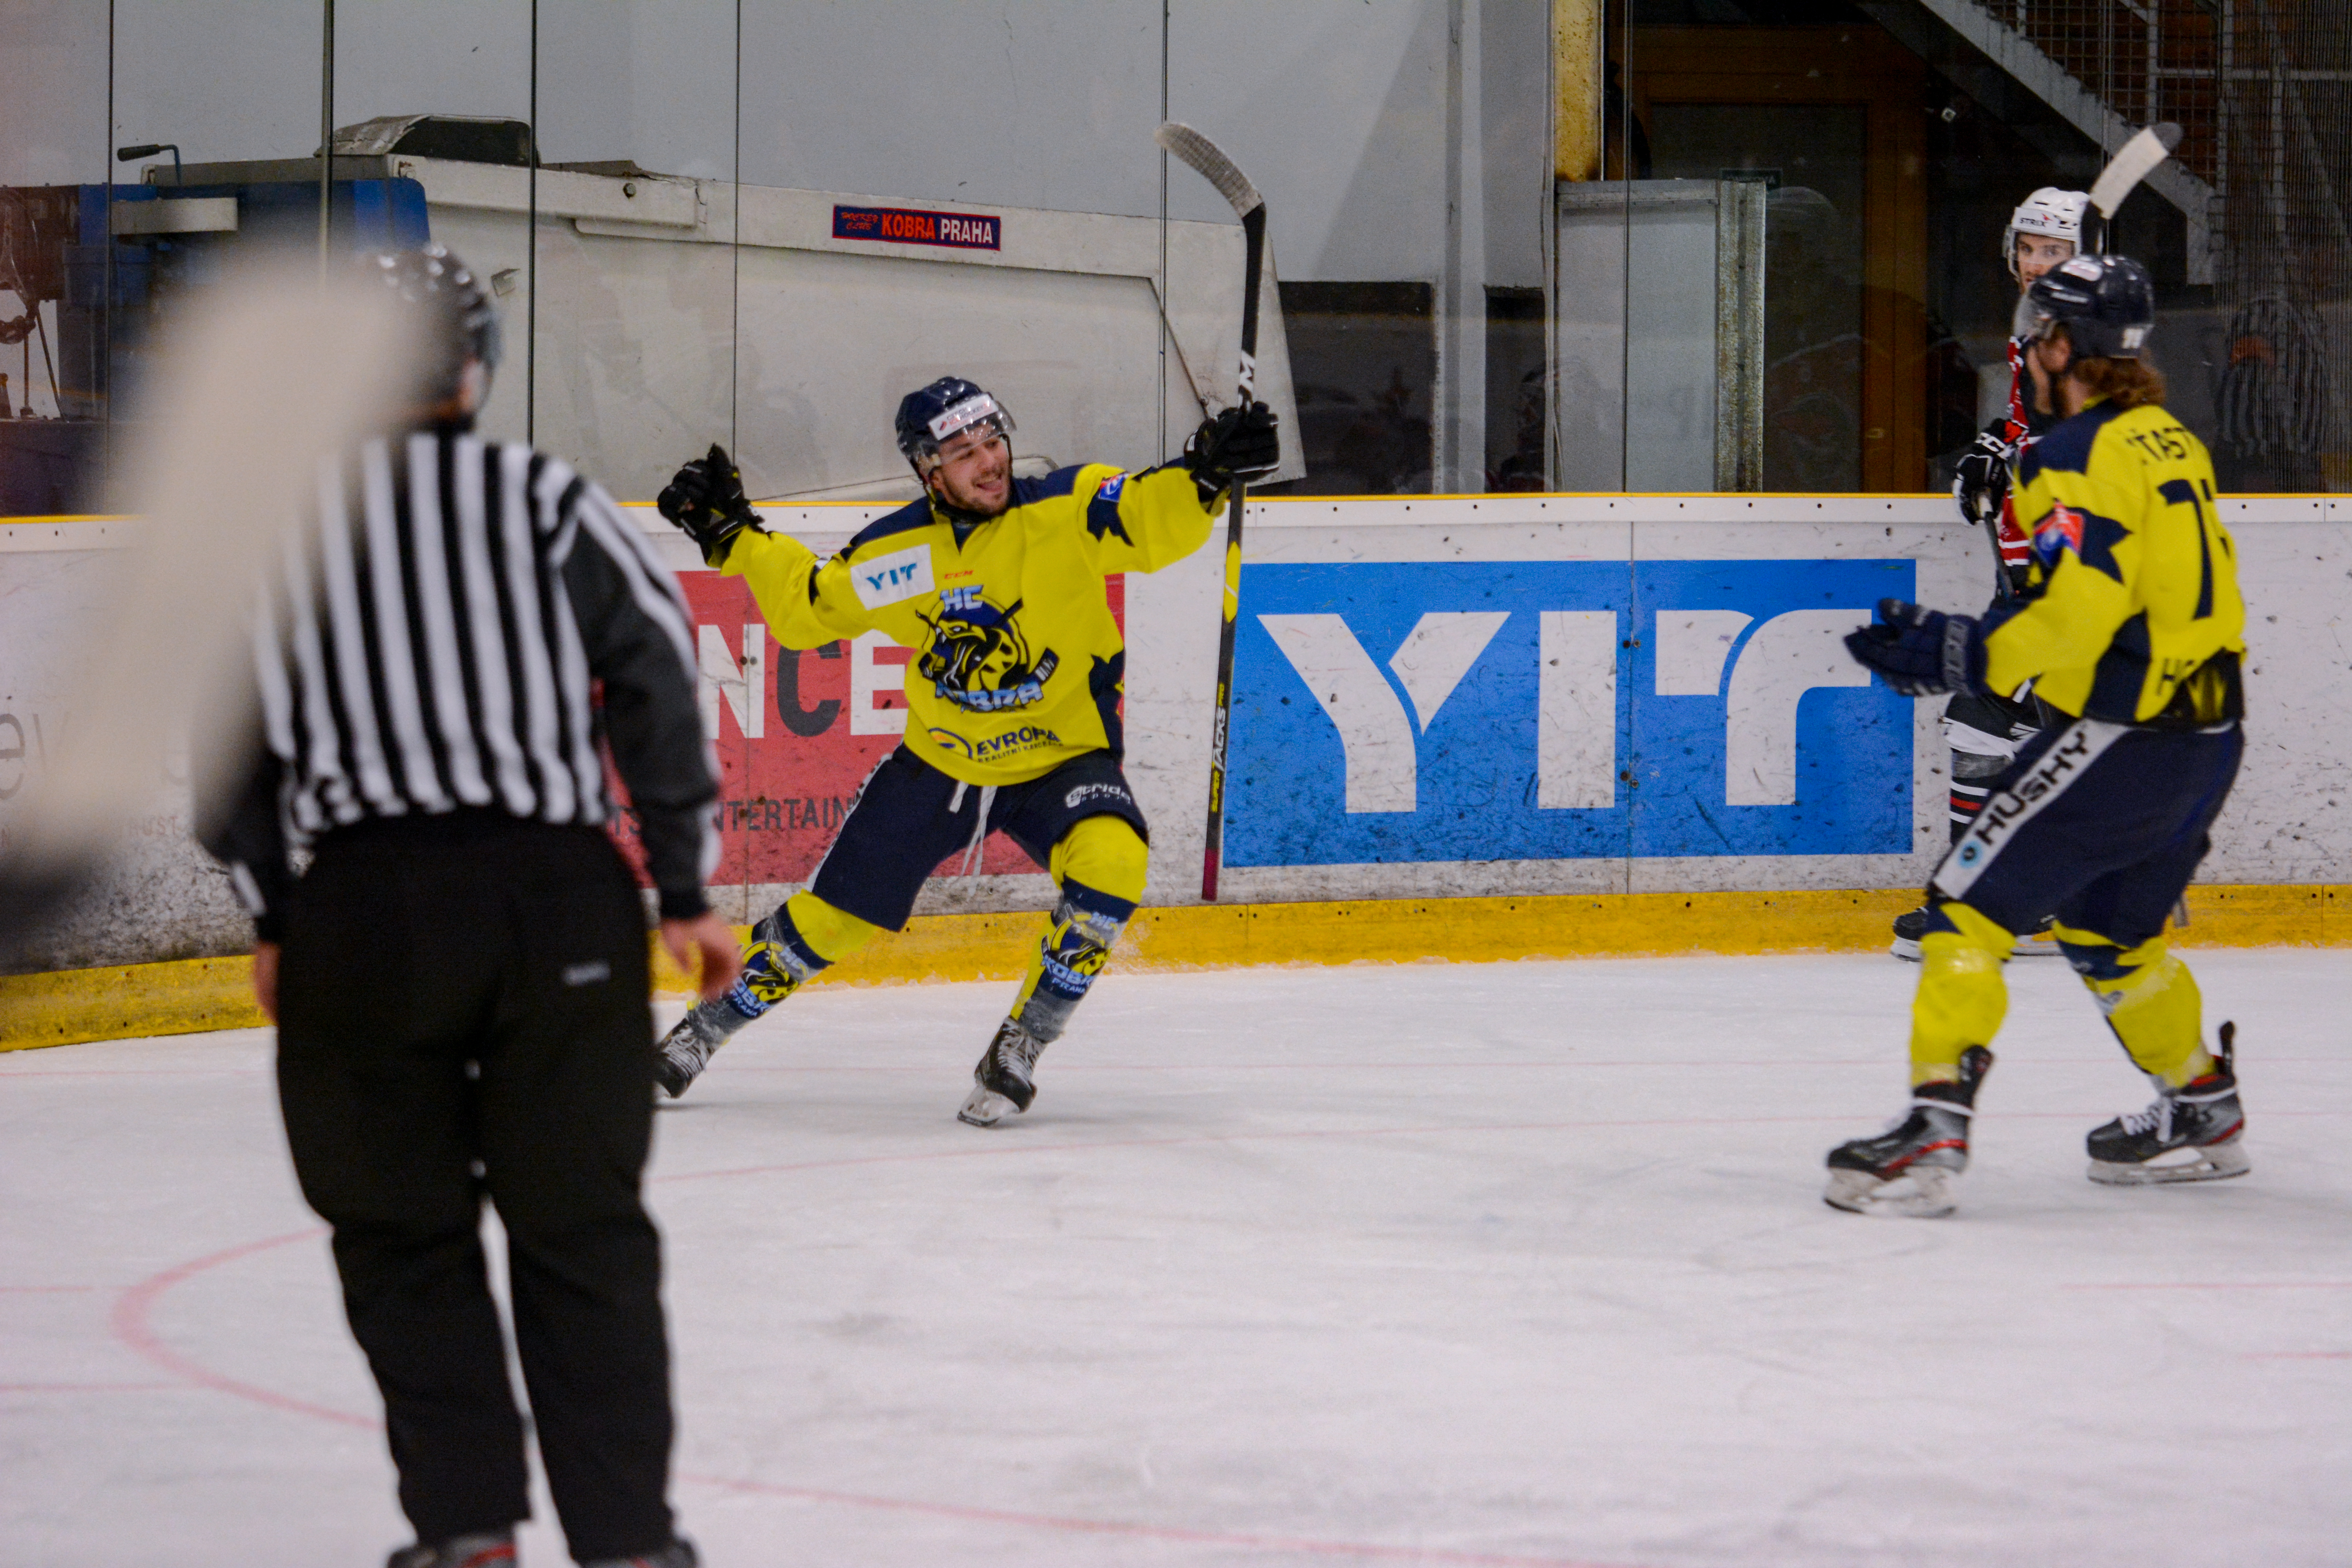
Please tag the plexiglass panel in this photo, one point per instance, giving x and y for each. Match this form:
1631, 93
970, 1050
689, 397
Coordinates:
1007, 232
54, 157
1365, 129
468, 67
638, 325
1687, 248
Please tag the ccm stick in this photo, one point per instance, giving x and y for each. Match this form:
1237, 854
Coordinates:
1197, 151
2132, 163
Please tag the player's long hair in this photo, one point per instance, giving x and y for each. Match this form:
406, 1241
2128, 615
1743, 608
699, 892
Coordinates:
2125, 383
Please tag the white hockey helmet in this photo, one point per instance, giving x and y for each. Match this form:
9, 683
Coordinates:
2049, 211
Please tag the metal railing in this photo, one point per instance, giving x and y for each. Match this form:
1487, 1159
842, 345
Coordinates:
2262, 92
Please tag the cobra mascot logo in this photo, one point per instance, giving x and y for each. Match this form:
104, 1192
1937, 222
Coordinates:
978, 659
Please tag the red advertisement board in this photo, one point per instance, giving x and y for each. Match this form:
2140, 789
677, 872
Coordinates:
797, 733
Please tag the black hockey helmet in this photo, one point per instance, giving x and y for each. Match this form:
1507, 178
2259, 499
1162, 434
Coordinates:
2107, 303
454, 309
946, 407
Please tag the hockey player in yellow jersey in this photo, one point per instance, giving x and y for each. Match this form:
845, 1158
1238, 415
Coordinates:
996, 584
2130, 629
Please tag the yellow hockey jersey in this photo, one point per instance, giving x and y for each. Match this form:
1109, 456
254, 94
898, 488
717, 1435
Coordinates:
1019, 665
2132, 612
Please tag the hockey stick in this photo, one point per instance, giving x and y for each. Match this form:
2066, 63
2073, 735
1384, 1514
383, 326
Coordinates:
2132, 163
258, 376
1202, 154
2125, 171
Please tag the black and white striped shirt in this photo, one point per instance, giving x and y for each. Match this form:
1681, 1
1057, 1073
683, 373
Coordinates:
462, 626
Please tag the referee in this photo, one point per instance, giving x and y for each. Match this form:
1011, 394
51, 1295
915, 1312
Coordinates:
461, 978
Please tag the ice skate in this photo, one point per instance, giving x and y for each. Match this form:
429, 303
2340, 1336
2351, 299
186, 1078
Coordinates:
687, 1049
460, 1552
2037, 943
767, 979
1909, 926
1912, 924
2201, 1121
1908, 1169
1004, 1082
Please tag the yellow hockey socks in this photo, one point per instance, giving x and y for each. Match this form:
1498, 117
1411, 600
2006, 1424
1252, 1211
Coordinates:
2151, 1000
790, 946
1961, 998
830, 935
1104, 853
1100, 864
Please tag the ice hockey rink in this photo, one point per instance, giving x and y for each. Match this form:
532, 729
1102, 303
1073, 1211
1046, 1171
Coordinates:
1509, 1264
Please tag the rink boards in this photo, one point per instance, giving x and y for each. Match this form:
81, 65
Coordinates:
1509, 696
1495, 697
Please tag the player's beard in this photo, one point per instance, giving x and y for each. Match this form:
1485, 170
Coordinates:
962, 497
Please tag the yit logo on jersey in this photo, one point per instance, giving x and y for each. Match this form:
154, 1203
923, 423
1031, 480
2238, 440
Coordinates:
1561, 709
978, 657
2060, 530
892, 579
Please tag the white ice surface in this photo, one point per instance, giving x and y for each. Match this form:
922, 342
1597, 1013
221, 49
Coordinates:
1449, 1263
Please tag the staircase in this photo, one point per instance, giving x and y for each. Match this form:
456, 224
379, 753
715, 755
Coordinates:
2109, 67
2262, 92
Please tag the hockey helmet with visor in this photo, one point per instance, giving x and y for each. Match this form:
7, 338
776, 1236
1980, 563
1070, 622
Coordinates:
2107, 303
454, 312
944, 410
2049, 212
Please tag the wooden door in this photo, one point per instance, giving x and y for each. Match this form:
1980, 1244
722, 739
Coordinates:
1816, 92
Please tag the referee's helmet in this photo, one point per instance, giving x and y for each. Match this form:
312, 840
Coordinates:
455, 310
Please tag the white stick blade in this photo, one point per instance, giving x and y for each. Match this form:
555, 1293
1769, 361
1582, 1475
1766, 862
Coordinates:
2131, 165
1196, 150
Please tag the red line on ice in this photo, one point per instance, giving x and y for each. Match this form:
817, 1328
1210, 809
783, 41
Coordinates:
1005, 1150
2221, 1285
1074, 1068
135, 1308
127, 1072
1153, 1532
137, 1305
40, 1289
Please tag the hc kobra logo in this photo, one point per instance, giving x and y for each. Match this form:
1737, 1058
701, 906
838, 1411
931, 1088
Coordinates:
978, 657
913, 226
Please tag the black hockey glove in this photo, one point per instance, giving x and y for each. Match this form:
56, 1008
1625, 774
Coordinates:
706, 499
1981, 476
1921, 652
1241, 443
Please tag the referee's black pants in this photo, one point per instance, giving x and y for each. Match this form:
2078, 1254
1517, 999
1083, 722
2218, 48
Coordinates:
463, 1014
